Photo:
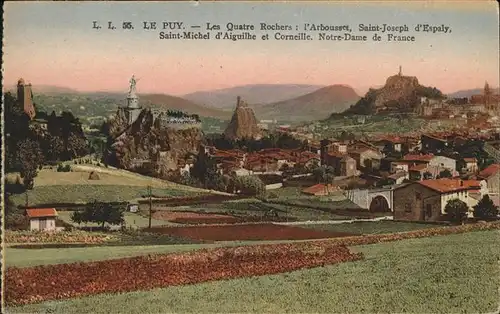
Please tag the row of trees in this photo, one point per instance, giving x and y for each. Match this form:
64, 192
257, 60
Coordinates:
204, 174
100, 213
27, 147
181, 114
280, 140
485, 209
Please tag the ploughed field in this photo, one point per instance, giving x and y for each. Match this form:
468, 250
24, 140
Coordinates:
238, 232
198, 218
41, 283
383, 276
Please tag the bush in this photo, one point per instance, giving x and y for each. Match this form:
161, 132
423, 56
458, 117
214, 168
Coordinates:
250, 185
486, 209
16, 221
456, 210
63, 168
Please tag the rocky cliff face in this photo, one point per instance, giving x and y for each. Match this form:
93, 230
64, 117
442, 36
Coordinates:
243, 123
399, 94
148, 148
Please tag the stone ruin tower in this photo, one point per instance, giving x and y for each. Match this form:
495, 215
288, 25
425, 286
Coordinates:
25, 98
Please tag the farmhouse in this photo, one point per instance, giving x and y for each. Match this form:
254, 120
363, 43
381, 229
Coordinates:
426, 200
43, 219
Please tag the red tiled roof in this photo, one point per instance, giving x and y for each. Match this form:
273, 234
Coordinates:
420, 167
318, 188
41, 212
470, 159
450, 185
489, 171
427, 157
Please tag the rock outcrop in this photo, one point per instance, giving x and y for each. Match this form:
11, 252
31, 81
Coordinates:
399, 94
149, 148
243, 123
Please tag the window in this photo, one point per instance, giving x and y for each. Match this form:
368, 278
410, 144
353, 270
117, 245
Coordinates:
408, 208
428, 210
418, 196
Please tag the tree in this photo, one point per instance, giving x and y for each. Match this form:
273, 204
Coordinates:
319, 174
427, 175
445, 174
99, 212
30, 158
486, 209
456, 210
250, 185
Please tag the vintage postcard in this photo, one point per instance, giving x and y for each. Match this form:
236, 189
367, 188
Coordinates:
251, 157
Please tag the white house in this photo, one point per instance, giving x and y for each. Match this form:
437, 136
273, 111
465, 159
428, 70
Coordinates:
444, 162
399, 166
42, 219
471, 164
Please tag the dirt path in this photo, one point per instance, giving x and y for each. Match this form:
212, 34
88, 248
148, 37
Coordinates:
332, 222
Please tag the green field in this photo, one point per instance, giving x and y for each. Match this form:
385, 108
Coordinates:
294, 196
446, 274
113, 185
131, 220
34, 257
256, 208
379, 227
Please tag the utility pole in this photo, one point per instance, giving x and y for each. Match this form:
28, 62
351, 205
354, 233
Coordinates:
150, 204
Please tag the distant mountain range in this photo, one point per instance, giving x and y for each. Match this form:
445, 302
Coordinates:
312, 106
253, 94
285, 102
470, 92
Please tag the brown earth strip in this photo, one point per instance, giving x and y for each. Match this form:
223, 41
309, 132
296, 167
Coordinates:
51, 282
247, 232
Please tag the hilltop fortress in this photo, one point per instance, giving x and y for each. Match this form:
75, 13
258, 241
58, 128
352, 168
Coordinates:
151, 141
163, 118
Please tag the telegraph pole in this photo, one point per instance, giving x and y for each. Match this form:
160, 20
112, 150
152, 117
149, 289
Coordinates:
150, 205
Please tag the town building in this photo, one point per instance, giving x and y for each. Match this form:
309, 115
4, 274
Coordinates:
492, 176
426, 200
471, 164
42, 219
443, 162
433, 144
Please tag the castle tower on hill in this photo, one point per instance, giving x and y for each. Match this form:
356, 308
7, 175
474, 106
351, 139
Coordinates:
132, 109
25, 98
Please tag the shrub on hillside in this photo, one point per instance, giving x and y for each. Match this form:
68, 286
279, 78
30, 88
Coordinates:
63, 168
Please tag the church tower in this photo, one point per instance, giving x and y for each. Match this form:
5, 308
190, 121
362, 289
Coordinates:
25, 98
133, 108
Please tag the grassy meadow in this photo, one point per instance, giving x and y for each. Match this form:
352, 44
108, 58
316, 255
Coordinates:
255, 207
427, 275
378, 227
133, 220
114, 185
